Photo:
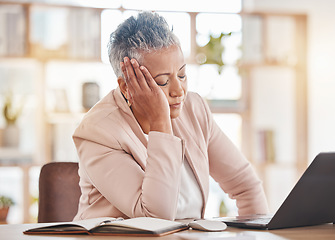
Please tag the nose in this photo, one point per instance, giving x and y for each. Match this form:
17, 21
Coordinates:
176, 88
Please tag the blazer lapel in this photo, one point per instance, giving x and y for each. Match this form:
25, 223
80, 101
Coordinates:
133, 129
196, 158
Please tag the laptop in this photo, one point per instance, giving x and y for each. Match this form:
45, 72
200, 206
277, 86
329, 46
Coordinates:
311, 201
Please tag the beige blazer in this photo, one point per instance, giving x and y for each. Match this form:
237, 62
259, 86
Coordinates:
122, 174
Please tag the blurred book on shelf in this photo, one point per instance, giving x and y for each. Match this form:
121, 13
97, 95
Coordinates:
77, 35
12, 30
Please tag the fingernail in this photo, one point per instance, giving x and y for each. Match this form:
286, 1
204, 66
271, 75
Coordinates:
132, 61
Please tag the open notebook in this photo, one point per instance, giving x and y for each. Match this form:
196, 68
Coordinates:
311, 201
141, 226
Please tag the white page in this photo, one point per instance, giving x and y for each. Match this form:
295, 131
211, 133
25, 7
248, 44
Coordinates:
89, 223
146, 223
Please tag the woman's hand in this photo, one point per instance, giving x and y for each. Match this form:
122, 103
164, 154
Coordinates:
147, 99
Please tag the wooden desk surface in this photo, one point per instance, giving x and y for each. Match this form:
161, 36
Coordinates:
326, 231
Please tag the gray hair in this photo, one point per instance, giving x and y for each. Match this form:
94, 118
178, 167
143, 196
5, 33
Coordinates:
145, 33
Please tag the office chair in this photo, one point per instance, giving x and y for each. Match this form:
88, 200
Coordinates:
59, 192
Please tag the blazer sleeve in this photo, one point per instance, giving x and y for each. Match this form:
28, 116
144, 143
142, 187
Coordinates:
233, 172
134, 190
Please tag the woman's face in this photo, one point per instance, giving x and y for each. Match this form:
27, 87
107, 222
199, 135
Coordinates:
168, 69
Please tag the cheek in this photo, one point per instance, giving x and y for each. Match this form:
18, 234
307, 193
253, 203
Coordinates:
184, 85
165, 91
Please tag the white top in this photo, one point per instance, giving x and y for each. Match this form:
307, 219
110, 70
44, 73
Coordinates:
190, 197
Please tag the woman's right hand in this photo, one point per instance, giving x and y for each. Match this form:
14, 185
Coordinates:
146, 97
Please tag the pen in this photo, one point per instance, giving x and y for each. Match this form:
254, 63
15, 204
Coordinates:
110, 221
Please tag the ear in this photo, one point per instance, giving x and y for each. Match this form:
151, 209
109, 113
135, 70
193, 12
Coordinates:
123, 86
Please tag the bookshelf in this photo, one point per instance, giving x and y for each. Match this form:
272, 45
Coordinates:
31, 38
275, 73
81, 26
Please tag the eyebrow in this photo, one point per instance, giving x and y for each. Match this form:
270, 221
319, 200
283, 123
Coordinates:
163, 74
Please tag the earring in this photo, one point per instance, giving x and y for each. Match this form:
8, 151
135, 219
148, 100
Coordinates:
129, 103
125, 96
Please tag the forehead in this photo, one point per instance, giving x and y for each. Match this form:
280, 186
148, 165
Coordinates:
166, 60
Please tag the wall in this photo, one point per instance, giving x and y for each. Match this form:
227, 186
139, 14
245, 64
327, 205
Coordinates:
321, 62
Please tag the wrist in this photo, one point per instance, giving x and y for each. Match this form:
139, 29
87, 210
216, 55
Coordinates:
164, 127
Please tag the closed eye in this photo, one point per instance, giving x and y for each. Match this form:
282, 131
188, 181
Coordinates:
182, 77
164, 84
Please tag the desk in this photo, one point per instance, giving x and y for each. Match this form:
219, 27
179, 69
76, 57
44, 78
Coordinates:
326, 231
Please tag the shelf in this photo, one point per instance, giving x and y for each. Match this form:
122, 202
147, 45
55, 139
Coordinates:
13, 157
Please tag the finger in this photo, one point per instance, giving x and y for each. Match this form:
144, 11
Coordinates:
130, 97
125, 74
124, 71
149, 79
131, 77
140, 77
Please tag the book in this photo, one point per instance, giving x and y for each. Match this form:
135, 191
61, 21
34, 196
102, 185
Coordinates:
141, 226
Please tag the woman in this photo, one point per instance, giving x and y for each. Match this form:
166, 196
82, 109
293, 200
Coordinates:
148, 147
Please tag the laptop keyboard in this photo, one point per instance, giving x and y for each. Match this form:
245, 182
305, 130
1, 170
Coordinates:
255, 220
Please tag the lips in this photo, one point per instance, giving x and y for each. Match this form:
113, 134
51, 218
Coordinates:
176, 105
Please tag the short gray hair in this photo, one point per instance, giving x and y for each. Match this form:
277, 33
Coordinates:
145, 33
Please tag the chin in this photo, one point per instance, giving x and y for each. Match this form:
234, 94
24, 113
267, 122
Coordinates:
175, 114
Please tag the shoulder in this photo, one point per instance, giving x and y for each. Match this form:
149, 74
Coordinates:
196, 106
193, 98
101, 120
105, 108
196, 116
